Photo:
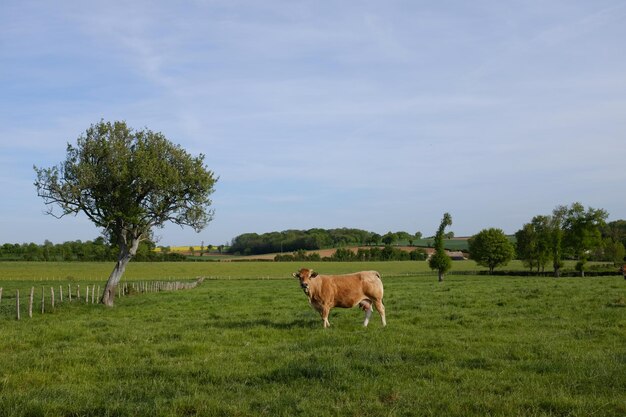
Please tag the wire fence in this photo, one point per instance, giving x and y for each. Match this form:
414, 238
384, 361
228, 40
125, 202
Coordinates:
19, 303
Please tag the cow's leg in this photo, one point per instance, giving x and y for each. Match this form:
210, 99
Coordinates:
381, 309
366, 305
368, 314
325, 312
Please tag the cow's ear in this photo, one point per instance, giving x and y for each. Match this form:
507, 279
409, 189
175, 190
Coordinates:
295, 275
313, 274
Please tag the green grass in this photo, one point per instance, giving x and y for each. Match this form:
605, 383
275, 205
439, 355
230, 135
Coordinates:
473, 346
99, 271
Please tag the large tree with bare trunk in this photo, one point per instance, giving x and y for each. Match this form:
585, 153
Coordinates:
128, 182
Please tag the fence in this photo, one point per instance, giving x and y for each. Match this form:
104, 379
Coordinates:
90, 295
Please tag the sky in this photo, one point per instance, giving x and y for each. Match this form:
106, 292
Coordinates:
377, 115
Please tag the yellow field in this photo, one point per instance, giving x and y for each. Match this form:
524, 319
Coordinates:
183, 248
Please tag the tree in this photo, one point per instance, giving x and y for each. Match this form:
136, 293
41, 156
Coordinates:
533, 243
389, 238
440, 259
127, 183
525, 245
404, 236
491, 248
556, 238
582, 232
374, 239
613, 251
616, 230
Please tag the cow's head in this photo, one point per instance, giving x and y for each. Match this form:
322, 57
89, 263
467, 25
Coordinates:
305, 276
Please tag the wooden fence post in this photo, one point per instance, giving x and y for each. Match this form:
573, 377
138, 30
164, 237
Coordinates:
61, 292
17, 303
87, 295
78, 291
52, 297
69, 292
93, 293
43, 301
30, 302
0, 295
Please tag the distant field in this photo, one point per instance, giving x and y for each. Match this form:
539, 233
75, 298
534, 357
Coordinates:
472, 346
94, 271
455, 244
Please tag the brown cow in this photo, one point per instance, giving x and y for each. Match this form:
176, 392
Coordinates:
345, 291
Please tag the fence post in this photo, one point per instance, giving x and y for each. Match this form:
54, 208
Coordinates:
61, 292
78, 291
17, 303
93, 294
52, 297
87, 295
69, 291
30, 302
43, 301
0, 295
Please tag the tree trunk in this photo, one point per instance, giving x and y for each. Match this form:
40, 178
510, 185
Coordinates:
441, 276
124, 257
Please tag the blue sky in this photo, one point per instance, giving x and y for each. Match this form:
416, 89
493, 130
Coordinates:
367, 114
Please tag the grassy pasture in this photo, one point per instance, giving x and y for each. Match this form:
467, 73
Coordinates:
99, 271
473, 346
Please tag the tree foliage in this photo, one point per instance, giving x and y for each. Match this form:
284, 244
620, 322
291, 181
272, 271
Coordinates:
289, 241
388, 253
128, 182
570, 232
583, 232
440, 260
491, 248
533, 243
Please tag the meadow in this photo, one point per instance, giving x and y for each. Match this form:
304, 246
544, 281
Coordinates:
246, 343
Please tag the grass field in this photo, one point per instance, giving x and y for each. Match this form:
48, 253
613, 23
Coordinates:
99, 271
473, 346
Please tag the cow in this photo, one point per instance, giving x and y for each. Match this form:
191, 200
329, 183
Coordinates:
364, 289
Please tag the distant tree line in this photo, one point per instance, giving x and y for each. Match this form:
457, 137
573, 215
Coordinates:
571, 232
293, 240
388, 253
92, 250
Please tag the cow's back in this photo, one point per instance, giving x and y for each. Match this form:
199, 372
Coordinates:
372, 284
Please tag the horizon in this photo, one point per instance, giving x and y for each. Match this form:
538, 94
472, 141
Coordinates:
367, 115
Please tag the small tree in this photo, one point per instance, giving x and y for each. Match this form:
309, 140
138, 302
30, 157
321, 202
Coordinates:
533, 243
614, 251
556, 238
440, 259
491, 248
128, 182
389, 238
374, 239
582, 232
